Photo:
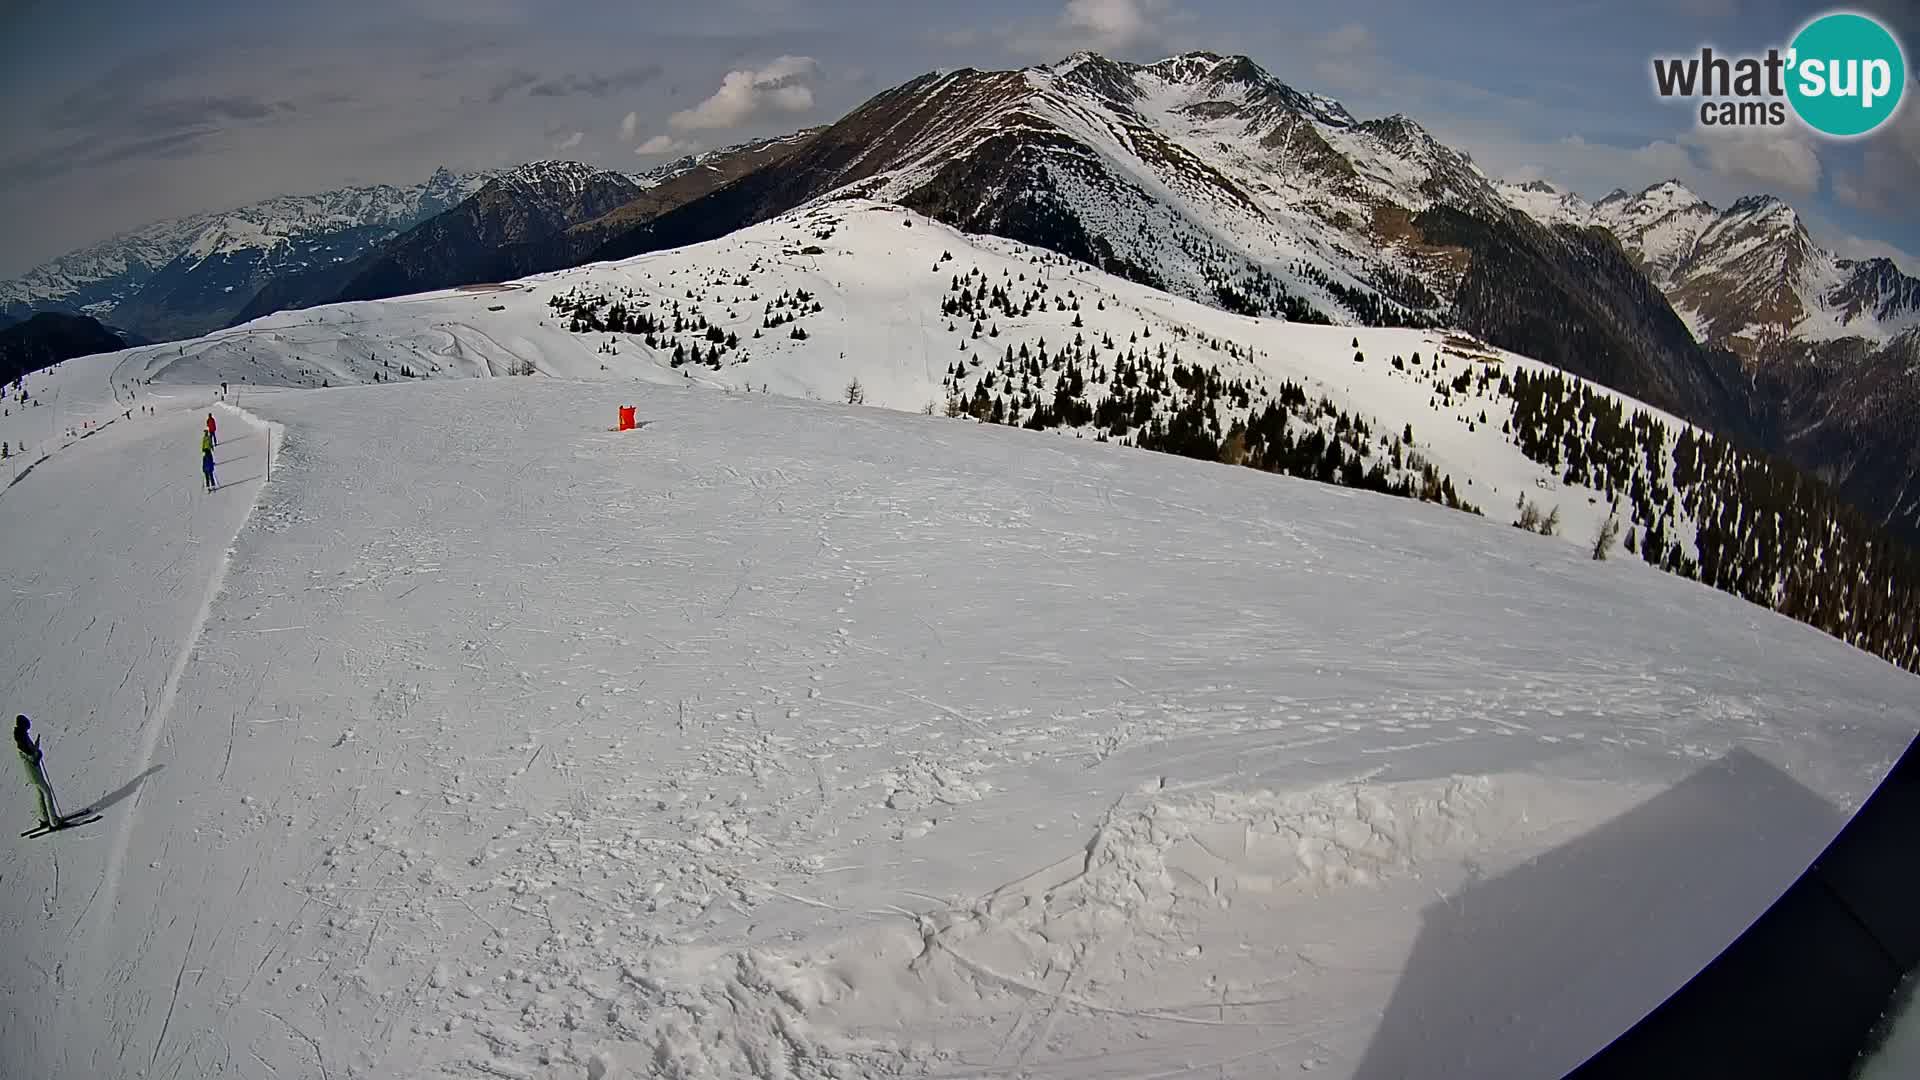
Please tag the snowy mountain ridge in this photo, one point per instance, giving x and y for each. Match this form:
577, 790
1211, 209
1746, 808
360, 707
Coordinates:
1748, 275
100, 278
680, 166
551, 178
1201, 167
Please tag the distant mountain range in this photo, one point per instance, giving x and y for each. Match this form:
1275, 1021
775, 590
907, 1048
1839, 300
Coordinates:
1205, 176
1748, 277
546, 215
184, 277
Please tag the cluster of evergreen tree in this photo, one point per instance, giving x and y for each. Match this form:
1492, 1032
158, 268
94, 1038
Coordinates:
1342, 453
682, 331
1255, 291
1146, 395
583, 311
789, 307
1763, 530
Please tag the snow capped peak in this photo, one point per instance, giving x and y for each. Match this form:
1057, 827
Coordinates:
1549, 205
1206, 57
1661, 224
1234, 85
1210, 67
1072, 61
558, 179
542, 172
1398, 130
1672, 193
1092, 73
679, 166
444, 185
1658, 201
1761, 206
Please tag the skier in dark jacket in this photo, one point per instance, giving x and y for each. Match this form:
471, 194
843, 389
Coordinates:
206, 465
29, 748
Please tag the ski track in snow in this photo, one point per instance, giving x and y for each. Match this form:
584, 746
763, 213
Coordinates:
94, 652
792, 740
154, 728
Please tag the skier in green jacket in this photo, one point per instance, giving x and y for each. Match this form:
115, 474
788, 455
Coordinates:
29, 749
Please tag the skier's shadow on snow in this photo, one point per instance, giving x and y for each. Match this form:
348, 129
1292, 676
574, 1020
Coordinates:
1532, 972
124, 792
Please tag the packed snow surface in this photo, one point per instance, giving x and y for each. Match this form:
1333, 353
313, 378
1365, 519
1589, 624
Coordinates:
778, 738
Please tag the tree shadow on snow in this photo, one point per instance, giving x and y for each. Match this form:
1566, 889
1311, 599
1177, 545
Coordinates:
1530, 973
124, 792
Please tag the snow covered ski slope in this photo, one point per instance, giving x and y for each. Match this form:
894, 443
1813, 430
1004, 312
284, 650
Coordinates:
788, 739
850, 290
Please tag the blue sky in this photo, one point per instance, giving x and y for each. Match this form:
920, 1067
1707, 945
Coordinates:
127, 112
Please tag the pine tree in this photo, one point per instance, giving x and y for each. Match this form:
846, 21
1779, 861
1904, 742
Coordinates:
1604, 538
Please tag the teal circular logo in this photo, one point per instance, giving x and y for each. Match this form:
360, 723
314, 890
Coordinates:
1847, 74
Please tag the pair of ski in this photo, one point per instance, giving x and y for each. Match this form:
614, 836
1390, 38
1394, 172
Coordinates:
66, 821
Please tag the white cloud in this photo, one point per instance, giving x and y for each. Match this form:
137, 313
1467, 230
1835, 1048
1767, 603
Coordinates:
1347, 58
570, 141
1854, 246
666, 145
1661, 160
1114, 24
955, 39
1591, 169
629, 127
1889, 167
746, 95
1779, 161
1102, 26
1720, 167
1349, 40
